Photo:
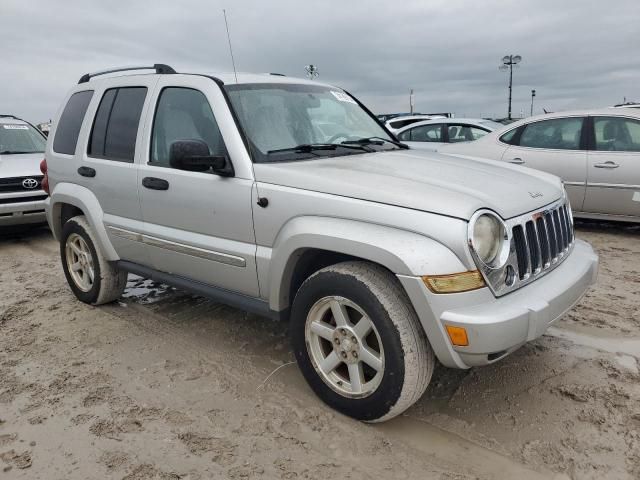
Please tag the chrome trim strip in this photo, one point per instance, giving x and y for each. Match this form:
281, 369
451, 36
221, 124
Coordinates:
178, 247
614, 185
195, 251
575, 184
126, 234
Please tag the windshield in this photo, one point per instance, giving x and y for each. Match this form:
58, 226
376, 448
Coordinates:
20, 138
277, 118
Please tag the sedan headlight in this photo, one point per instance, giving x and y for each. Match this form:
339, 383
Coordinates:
488, 238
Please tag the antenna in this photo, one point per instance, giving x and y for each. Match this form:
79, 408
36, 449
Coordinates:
224, 12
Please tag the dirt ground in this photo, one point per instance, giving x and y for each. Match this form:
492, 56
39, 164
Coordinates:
165, 385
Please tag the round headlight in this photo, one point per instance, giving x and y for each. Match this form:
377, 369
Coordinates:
487, 237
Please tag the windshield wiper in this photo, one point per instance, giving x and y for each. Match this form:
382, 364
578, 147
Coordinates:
376, 141
311, 147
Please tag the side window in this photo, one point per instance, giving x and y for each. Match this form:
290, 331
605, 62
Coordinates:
405, 136
183, 114
115, 126
464, 133
70, 122
617, 134
426, 133
557, 133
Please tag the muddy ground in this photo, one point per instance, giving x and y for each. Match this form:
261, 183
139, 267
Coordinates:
166, 385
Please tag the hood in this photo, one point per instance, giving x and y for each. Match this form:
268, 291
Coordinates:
24, 165
431, 182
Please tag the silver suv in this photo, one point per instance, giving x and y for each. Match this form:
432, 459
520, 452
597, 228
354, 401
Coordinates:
21, 152
382, 258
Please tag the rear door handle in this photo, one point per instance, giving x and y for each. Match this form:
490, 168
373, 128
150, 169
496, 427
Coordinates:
155, 183
517, 161
608, 164
87, 172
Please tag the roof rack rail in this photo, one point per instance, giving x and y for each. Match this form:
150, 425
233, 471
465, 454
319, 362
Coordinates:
278, 74
158, 67
6, 115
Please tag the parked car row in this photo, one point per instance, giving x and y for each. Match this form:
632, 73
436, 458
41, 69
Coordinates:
595, 152
288, 198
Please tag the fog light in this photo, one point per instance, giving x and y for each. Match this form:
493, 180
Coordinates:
458, 336
455, 282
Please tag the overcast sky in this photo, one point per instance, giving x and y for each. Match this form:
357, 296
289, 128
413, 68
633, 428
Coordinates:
576, 53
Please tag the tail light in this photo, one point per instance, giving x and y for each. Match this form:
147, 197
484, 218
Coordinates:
45, 180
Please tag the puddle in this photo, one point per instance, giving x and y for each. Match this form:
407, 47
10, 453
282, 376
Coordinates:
448, 448
626, 350
145, 291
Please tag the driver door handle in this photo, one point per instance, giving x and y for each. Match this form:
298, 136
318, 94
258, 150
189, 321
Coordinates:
608, 164
155, 183
517, 161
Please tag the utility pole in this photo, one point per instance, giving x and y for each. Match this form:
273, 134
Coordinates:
411, 100
533, 94
508, 62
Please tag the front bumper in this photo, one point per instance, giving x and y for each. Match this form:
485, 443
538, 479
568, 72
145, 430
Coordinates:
23, 212
498, 326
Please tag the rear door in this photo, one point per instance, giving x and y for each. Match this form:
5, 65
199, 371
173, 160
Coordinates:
199, 225
557, 146
108, 167
614, 167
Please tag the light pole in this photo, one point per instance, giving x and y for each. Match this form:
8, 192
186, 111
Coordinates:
533, 94
312, 71
508, 61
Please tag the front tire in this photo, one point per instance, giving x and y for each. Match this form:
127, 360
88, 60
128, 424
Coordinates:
92, 278
358, 341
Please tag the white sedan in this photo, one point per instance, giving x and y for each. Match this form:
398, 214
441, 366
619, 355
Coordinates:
433, 134
595, 152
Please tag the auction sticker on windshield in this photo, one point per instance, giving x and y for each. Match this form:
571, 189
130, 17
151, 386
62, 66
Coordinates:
15, 127
343, 97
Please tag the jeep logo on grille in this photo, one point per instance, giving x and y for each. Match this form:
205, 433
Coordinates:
29, 183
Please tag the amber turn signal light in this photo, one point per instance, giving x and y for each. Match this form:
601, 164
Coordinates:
454, 282
458, 336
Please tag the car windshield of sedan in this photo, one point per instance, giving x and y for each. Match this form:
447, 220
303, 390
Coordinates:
285, 122
20, 138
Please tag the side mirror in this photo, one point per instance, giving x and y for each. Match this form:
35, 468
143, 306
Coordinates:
193, 156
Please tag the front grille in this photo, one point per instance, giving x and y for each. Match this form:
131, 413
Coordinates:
30, 198
14, 184
537, 243
541, 240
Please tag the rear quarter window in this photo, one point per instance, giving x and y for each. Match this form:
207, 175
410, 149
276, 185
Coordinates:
509, 137
70, 122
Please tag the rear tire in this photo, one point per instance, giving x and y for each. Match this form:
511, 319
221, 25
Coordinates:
92, 278
394, 361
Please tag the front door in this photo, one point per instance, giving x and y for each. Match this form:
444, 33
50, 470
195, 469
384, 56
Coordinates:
198, 225
555, 146
614, 167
